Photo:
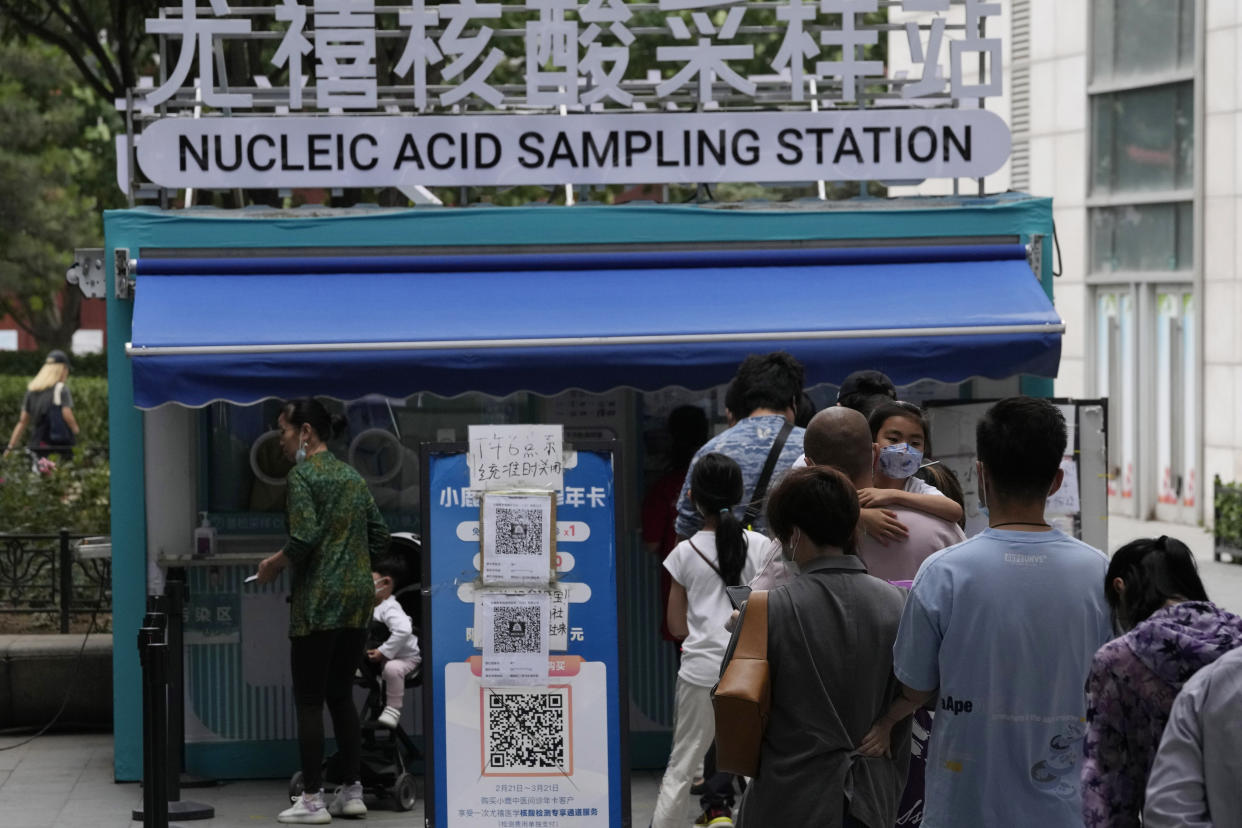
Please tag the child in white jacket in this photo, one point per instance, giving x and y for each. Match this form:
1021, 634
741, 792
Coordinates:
399, 654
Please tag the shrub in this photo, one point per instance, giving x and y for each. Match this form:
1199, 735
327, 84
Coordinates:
27, 363
73, 494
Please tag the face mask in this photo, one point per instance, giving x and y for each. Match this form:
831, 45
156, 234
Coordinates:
300, 454
900, 461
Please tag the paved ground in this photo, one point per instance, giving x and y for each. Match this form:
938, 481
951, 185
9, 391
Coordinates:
65, 781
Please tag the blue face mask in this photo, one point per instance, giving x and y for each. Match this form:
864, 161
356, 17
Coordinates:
900, 461
300, 455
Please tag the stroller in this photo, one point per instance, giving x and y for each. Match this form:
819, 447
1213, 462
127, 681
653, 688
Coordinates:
387, 755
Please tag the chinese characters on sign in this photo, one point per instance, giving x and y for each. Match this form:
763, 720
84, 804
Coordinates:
516, 457
577, 52
663, 107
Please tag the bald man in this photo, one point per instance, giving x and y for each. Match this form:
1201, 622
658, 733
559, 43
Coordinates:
840, 437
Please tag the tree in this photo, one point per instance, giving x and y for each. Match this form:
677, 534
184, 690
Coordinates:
56, 174
105, 39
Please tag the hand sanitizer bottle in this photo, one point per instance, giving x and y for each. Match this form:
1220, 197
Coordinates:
204, 538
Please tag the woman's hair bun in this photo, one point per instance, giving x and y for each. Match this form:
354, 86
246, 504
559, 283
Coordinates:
338, 425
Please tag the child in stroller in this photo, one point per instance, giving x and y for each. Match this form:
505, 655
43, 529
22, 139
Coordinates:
398, 656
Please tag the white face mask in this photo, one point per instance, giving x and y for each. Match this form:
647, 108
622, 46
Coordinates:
300, 455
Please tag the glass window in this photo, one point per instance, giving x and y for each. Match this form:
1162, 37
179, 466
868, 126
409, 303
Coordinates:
1142, 237
1143, 139
1141, 37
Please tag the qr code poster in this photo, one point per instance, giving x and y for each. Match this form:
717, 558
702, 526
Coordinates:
559, 598
517, 535
527, 732
543, 748
514, 633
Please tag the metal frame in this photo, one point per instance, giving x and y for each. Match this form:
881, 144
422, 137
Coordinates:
397, 99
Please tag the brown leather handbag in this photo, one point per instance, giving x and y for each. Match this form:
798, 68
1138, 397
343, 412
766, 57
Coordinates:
743, 696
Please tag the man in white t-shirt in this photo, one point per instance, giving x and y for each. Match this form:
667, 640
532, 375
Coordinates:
1002, 628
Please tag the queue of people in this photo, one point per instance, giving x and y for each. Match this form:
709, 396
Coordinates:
1043, 716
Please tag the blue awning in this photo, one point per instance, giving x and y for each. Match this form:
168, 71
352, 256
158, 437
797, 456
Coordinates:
247, 329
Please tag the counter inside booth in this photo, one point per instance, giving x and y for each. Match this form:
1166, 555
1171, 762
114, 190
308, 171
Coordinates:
239, 711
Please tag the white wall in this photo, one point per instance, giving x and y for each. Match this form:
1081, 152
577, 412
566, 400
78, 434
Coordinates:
1059, 159
1222, 248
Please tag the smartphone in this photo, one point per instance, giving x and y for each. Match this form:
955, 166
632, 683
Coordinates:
737, 595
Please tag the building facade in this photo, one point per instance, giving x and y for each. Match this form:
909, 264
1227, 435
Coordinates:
1127, 113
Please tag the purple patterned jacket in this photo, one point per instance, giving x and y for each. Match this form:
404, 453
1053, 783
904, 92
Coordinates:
1130, 691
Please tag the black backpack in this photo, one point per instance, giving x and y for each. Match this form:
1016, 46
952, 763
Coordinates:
52, 430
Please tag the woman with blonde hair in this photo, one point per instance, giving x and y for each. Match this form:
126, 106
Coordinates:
49, 405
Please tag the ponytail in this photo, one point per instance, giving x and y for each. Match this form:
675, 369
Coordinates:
730, 547
716, 486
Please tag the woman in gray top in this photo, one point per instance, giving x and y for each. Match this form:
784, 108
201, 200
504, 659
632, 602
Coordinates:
48, 409
830, 652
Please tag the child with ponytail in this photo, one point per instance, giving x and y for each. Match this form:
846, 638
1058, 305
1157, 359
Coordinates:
720, 554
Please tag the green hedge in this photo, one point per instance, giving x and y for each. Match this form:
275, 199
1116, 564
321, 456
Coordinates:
27, 364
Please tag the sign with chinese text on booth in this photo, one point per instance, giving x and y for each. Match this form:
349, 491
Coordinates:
525, 719
592, 105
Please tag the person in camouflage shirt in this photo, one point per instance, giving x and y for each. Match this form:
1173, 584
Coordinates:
335, 529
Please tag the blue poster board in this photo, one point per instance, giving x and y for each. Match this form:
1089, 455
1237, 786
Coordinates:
533, 757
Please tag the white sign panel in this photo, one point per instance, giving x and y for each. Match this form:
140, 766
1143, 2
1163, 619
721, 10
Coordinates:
516, 457
517, 538
445, 150
514, 637
515, 751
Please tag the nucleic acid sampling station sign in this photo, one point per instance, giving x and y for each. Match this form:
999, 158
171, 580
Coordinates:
677, 91
524, 720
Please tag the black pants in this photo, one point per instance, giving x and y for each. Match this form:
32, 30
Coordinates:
719, 792
323, 671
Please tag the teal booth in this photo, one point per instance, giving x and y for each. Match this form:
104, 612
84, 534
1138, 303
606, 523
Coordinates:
420, 322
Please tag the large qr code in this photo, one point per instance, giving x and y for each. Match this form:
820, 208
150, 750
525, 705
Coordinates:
518, 531
526, 731
516, 630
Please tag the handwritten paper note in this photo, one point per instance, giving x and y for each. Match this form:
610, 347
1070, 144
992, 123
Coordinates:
516, 457
1064, 501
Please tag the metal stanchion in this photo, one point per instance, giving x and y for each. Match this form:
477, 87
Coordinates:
174, 599
156, 763
147, 635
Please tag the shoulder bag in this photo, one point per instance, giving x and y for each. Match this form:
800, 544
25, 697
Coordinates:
742, 698
761, 485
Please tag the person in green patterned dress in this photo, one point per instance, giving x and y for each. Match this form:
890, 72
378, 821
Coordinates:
335, 529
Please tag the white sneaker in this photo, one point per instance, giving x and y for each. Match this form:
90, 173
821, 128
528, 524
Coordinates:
308, 809
348, 801
390, 718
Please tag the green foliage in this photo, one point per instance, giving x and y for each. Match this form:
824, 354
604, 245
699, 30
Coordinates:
56, 174
27, 364
1229, 513
75, 494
